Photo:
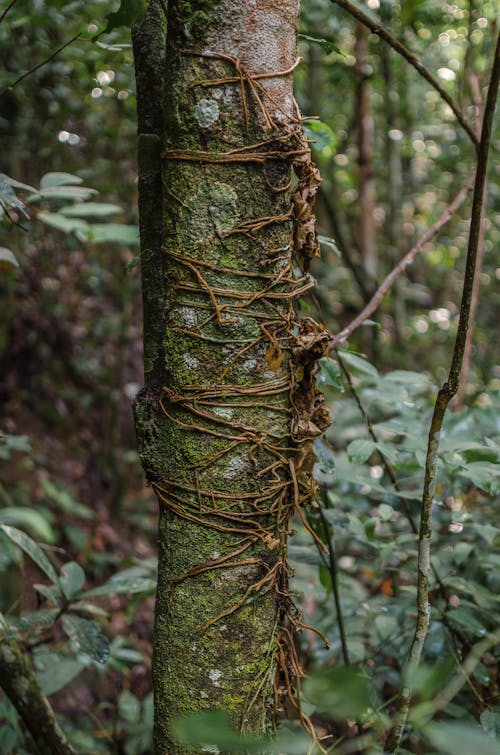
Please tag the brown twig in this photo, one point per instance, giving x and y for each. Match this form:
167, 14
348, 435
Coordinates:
389, 281
23, 76
444, 396
7, 9
412, 59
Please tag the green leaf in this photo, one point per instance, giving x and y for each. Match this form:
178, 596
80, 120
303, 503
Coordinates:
340, 692
41, 619
129, 707
8, 260
330, 374
72, 579
386, 625
16, 184
322, 136
8, 196
490, 723
330, 244
214, 728
131, 581
408, 378
66, 501
62, 192
325, 463
464, 619
454, 738
428, 680
118, 47
91, 209
55, 672
99, 233
360, 450
50, 593
484, 475
385, 512
32, 549
86, 637
128, 12
66, 225
59, 179
359, 364
30, 519
304, 554
325, 44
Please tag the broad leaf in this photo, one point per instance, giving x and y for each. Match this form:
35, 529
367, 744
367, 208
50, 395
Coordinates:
99, 233
322, 137
341, 692
129, 707
360, 450
59, 179
8, 260
86, 637
72, 579
325, 44
32, 549
62, 192
8, 196
359, 364
131, 581
453, 738
128, 12
30, 519
66, 225
91, 209
54, 671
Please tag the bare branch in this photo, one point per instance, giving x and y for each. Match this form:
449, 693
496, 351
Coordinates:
20, 684
23, 76
396, 273
7, 9
443, 399
412, 59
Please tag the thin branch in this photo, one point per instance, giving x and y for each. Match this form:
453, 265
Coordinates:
23, 76
389, 281
412, 59
443, 398
332, 568
20, 684
391, 473
7, 9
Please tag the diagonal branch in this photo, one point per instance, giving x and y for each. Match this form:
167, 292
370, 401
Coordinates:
20, 684
24, 75
400, 268
7, 9
412, 59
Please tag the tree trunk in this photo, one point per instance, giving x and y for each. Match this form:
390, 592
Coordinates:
226, 435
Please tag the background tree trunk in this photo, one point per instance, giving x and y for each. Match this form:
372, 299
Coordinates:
226, 442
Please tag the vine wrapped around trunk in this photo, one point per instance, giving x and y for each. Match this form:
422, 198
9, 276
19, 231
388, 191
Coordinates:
226, 439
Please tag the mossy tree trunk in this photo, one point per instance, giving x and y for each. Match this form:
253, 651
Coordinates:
226, 421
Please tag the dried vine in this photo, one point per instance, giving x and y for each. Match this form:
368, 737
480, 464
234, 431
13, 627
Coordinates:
258, 520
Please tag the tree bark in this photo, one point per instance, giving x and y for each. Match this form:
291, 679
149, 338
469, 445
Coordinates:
226, 440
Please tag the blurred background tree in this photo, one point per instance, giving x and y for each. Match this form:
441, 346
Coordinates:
392, 156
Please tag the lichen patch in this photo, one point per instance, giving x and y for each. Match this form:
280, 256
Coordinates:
207, 112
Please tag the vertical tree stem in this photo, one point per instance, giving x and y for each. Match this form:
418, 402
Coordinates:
444, 397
